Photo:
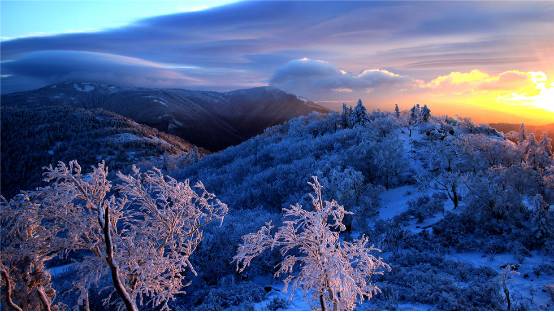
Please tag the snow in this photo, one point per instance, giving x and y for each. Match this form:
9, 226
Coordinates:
157, 99
161, 102
525, 287
395, 201
125, 137
295, 301
414, 307
83, 87
61, 270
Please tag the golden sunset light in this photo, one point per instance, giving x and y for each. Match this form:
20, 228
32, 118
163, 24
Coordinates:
510, 95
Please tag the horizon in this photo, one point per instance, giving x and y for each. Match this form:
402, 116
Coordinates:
489, 61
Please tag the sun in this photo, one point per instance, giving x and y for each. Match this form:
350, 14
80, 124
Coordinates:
539, 93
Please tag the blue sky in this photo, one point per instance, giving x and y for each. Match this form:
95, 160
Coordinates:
23, 18
329, 51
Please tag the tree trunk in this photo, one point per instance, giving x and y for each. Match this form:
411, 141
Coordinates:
335, 305
86, 302
455, 198
322, 302
507, 294
8, 291
114, 268
44, 299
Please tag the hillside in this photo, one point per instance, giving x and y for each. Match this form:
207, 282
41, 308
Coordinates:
213, 120
449, 202
37, 134
461, 214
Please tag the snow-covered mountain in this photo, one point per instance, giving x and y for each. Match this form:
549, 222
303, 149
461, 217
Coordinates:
213, 120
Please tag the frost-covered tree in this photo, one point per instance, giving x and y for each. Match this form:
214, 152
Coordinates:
141, 232
29, 238
396, 111
522, 135
388, 162
359, 115
548, 182
425, 113
543, 226
508, 271
538, 155
544, 156
346, 116
345, 185
546, 143
449, 184
315, 259
413, 119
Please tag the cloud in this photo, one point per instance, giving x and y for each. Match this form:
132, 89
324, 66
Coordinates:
46, 67
316, 78
474, 81
243, 44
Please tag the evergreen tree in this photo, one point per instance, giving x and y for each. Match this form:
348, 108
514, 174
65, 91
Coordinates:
359, 115
425, 113
396, 111
346, 116
413, 114
413, 118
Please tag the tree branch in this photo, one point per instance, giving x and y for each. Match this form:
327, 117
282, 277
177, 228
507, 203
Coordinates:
114, 268
8, 291
44, 299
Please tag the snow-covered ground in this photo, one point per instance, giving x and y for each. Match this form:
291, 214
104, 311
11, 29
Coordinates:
293, 301
395, 201
525, 286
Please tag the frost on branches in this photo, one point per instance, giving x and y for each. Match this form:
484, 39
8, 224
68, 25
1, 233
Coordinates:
144, 229
315, 259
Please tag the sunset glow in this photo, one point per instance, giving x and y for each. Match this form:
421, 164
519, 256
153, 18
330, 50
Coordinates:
509, 95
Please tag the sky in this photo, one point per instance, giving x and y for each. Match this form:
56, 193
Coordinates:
490, 61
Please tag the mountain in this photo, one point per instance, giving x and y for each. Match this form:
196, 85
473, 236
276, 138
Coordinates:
40, 132
213, 120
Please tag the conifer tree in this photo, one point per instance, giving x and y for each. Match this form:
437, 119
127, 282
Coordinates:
425, 113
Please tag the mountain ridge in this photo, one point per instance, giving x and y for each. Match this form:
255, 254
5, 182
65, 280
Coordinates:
209, 119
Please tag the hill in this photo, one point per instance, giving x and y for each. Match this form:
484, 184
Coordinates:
39, 133
462, 214
213, 120
449, 202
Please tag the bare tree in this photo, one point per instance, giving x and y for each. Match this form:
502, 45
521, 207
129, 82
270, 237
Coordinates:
335, 272
449, 183
144, 230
